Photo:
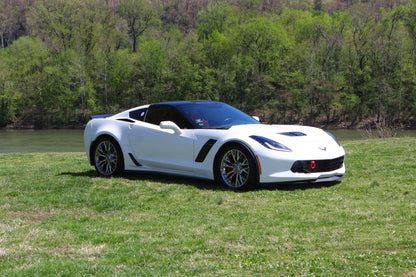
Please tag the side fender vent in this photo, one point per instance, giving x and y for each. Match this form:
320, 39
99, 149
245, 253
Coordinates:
204, 150
134, 160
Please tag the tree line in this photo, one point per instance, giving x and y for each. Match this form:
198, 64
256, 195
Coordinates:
285, 61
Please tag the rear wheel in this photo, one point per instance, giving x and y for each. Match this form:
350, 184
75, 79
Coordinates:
108, 157
235, 167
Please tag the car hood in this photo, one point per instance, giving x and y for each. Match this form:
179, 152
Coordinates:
289, 135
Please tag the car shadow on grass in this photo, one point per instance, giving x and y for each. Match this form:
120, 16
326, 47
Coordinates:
155, 177
299, 186
89, 173
202, 184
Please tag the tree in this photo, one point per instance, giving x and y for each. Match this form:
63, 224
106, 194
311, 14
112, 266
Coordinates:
56, 22
139, 16
388, 47
407, 88
216, 17
325, 68
26, 62
262, 45
359, 81
5, 96
8, 23
13, 20
318, 6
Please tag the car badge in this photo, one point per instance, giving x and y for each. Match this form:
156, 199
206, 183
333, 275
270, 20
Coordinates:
322, 148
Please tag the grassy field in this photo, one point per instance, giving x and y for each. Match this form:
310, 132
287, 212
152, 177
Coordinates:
57, 218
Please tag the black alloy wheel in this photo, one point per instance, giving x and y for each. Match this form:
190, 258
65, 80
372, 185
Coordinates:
108, 157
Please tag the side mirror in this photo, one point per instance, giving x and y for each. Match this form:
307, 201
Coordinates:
256, 118
169, 125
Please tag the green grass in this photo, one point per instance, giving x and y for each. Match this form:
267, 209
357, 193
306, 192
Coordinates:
57, 218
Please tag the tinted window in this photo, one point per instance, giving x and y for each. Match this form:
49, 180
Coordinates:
214, 115
159, 113
139, 114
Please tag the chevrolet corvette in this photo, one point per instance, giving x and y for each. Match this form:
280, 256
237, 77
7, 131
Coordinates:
211, 140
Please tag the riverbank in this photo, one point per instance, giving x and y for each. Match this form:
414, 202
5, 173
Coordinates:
323, 125
45, 140
71, 140
34, 127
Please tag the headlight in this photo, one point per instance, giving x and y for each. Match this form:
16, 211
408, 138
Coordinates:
271, 144
332, 136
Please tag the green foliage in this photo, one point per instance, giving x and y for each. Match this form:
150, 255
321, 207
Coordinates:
139, 17
318, 5
27, 59
262, 41
216, 17
4, 110
56, 22
285, 62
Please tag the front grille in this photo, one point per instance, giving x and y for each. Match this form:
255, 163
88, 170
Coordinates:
313, 166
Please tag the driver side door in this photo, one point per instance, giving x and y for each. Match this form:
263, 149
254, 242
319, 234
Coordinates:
163, 148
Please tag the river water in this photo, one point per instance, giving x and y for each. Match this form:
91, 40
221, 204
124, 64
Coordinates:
24, 141
64, 140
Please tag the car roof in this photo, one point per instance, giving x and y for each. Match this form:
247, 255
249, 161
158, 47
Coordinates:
181, 103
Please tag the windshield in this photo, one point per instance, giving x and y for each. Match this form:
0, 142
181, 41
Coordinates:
214, 115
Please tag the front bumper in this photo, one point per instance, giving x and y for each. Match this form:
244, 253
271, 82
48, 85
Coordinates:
300, 171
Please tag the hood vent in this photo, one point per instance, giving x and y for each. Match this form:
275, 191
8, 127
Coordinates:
293, 134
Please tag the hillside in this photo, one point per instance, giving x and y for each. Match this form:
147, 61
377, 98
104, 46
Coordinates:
286, 61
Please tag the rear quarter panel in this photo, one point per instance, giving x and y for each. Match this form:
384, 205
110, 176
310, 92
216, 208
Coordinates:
96, 128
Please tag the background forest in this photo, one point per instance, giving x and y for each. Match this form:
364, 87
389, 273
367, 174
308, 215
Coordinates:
344, 63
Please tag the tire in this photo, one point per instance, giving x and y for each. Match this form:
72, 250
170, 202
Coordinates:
234, 167
108, 157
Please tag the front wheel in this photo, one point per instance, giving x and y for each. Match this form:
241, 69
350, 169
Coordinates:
235, 167
108, 157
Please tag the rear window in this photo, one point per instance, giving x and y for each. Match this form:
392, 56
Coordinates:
139, 114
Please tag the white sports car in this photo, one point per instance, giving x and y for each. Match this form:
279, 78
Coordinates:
211, 140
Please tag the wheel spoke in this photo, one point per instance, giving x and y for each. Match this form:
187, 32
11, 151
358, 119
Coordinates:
233, 154
240, 180
101, 163
231, 173
108, 168
106, 158
236, 156
100, 151
235, 168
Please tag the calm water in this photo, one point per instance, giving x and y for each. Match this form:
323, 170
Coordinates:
72, 140
41, 141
